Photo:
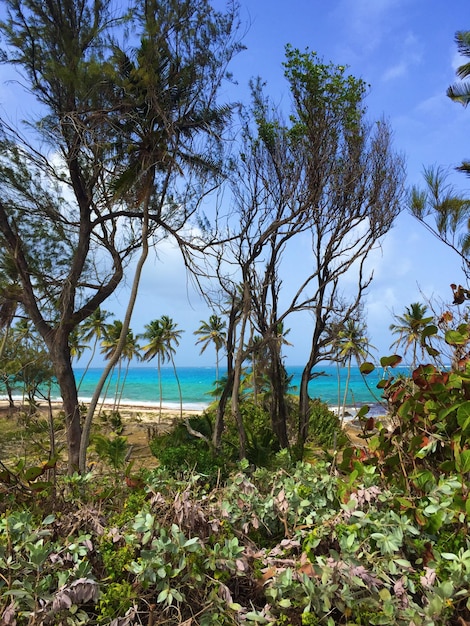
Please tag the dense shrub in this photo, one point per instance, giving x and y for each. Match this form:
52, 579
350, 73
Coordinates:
325, 425
181, 452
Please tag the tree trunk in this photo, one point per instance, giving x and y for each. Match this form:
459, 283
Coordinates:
235, 409
60, 357
219, 418
278, 405
221, 406
304, 407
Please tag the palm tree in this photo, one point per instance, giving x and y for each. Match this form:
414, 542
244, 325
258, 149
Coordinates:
93, 328
410, 327
171, 338
162, 335
77, 347
213, 332
351, 342
155, 348
460, 92
109, 344
131, 350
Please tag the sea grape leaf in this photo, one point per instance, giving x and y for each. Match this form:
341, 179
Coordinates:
32, 473
391, 361
366, 368
431, 329
463, 415
465, 461
456, 338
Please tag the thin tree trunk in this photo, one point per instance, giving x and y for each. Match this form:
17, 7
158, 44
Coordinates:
87, 367
278, 407
121, 391
235, 404
85, 437
118, 384
160, 388
304, 407
346, 389
179, 388
221, 406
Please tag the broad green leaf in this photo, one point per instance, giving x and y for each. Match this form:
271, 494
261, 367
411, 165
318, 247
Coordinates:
362, 411
385, 595
463, 415
391, 361
33, 472
429, 330
40, 485
402, 562
465, 461
456, 338
366, 368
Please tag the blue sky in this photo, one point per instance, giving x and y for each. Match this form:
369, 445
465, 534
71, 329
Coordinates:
405, 50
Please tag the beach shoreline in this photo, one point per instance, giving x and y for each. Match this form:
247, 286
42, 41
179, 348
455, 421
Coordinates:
144, 412
151, 411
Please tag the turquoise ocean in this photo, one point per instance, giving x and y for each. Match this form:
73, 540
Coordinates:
141, 386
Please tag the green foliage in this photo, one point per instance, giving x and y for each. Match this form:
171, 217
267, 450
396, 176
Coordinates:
113, 451
262, 445
325, 426
429, 416
180, 452
115, 600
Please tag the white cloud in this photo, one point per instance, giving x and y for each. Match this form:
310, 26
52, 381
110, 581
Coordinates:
410, 57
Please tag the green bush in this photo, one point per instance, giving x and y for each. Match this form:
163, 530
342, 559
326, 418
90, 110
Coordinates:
180, 452
325, 426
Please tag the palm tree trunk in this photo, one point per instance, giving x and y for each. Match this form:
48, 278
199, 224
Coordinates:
179, 388
126, 372
118, 382
87, 367
160, 387
346, 389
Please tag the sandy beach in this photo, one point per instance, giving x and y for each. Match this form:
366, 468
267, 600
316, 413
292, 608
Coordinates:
127, 410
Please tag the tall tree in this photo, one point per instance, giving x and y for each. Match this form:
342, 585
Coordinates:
162, 336
171, 340
155, 347
109, 346
212, 332
326, 179
351, 343
98, 174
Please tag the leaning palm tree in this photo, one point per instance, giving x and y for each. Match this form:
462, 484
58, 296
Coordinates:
212, 332
156, 347
410, 328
